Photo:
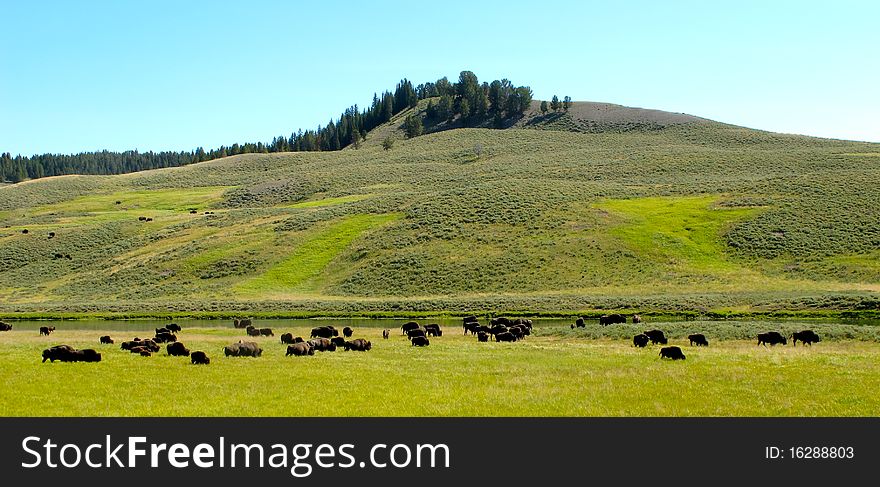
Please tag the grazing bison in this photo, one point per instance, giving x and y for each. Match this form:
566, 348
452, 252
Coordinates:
51, 234
482, 336
299, 349
177, 349
613, 319
251, 331
173, 327
496, 329
771, 337
243, 349
415, 333
472, 327
468, 319
242, 323
165, 338
579, 323
656, 337
347, 332
45, 330
322, 332
5, 326
358, 345
287, 338
386, 333
55, 353
162, 330
199, 358
146, 353
150, 345
322, 344
641, 340
411, 325
266, 332
517, 331
807, 337
673, 353
338, 341
522, 322
637, 319
505, 337
698, 339
106, 340
433, 330
421, 341
500, 321
138, 349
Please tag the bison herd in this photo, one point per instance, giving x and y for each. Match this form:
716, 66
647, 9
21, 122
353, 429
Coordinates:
327, 339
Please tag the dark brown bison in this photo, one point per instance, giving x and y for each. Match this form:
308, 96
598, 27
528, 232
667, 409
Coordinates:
410, 325
165, 337
242, 323
146, 353
386, 333
5, 326
505, 337
173, 327
266, 332
500, 321
771, 337
322, 332
421, 341
299, 349
46, 330
637, 319
251, 331
433, 330
807, 337
243, 349
322, 345
579, 323
287, 338
612, 319
347, 332
698, 339
150, 345
472, 327
338, 341
673, 353
656, 337
482, 336
641, 340
55, 353
415, 333
468, 319
199, 358
66, 353
358, 345
177, 349
106, 340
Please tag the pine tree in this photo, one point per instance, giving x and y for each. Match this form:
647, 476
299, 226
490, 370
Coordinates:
544, 107
554, 103
566, 103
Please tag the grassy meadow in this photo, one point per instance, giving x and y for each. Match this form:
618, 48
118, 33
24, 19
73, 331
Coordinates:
592, 371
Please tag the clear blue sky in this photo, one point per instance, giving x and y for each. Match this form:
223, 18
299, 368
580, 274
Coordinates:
173, 75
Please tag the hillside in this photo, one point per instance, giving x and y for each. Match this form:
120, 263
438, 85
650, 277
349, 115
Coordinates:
612, 207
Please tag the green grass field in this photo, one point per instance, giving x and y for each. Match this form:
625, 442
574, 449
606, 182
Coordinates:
555, 374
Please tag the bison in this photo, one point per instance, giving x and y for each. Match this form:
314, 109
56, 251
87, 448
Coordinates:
287, 338
673, 353
5, 326
656, 337
243, 349
358, 345
55, 353
612, 319
251, 331
415, 333
173, 327
698, 339
637, 319
299, 349
505, 337
66, 353
641, 340
386, 333
468, 319
322, 344
165, 338
433, 330
338, 341
322, 332
266, 332
420, 341
771, 337
410, 325
177, 349
579, 323
347, 332
807, 337
472, 327
199, 358
106, 340
500, 321
46, 330
242, 323
482, 336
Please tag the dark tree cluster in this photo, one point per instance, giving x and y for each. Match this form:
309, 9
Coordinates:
469, 100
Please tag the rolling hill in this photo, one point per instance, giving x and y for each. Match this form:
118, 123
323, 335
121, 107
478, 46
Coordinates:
602, 207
